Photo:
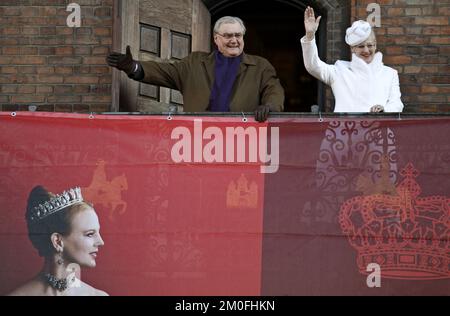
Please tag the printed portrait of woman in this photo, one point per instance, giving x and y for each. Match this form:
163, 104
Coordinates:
65, 231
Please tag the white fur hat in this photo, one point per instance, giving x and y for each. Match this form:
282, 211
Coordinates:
358, 32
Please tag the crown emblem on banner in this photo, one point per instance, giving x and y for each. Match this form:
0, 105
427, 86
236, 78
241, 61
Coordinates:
407, 235
384, 184
241, 194
57, 203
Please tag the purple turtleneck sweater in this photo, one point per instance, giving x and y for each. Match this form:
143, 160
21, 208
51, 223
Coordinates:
225, 73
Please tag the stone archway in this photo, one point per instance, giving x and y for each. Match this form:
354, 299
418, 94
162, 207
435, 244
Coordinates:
335, 20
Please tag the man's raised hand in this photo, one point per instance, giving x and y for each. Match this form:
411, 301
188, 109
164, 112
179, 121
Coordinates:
123, 62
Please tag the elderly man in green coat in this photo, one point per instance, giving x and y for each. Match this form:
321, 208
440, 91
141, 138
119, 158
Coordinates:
226, 80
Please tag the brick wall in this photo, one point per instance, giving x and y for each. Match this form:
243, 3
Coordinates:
338, 18
43, 62
47, 64
415, 39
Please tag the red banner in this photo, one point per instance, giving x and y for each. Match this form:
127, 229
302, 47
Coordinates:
222, 206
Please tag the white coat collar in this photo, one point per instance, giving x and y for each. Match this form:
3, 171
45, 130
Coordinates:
360, 66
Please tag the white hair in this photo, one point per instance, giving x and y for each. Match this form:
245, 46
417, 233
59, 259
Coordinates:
229, 20
373, 35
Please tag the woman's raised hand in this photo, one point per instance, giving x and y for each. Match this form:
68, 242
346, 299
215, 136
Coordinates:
311, 23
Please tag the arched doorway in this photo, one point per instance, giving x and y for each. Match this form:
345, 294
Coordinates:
274, 29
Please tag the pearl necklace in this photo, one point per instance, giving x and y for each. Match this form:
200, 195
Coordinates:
58, 284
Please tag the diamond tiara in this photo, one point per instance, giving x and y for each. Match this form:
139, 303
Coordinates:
57, 203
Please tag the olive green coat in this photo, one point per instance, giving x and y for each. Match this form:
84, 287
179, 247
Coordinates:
256, 82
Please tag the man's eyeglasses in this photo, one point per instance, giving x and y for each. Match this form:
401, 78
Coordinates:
369, 46
229, 36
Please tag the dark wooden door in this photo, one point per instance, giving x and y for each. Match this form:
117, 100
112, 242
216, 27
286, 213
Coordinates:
160, 30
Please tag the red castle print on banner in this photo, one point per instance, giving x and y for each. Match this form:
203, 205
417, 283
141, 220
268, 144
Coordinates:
407, 235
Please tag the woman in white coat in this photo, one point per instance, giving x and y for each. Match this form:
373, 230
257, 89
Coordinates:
355, 155
362, 85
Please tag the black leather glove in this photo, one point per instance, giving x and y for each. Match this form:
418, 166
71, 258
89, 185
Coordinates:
262, 113
122, 62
